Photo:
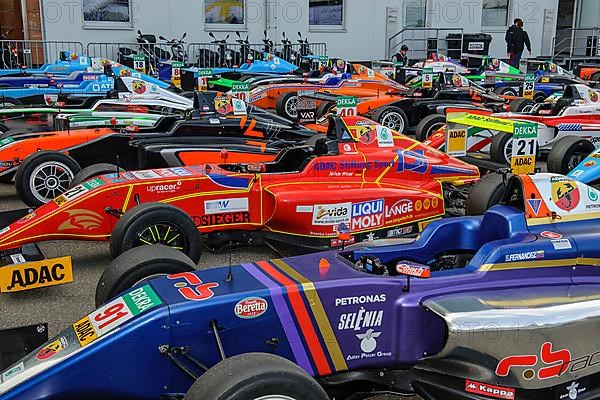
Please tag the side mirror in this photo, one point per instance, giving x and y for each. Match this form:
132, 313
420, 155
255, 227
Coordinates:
184, 35
237, 33
409, 270
162, 38
139, 32
211, 35
226, 37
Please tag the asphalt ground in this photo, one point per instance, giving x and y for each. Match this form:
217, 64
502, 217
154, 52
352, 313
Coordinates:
60, 306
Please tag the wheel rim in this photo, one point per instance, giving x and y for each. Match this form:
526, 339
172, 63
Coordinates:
393, 120
527, 108
433, 128
162, 233
510, 93
575, 160
508, 151
291, 107
275, 397
50, 179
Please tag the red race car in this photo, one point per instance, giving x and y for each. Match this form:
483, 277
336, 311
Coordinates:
362, 176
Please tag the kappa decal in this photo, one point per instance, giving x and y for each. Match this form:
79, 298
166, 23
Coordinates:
81, 219
535, 205
497, 392
565, 195
193, 288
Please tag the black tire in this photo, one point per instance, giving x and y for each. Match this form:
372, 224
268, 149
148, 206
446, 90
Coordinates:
3, 128
285, 106
500, 147
521, 105
392, 117
93, 171
486, 193
507, 91
8, 179
324, 108
33, 187
539, 97
9, 102
138, 264
428, 125
189, 94
567, 153
133, 230
255, 375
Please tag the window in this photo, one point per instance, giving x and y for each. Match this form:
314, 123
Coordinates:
326, 13
224, 12
494, 13
107, 11
414, 13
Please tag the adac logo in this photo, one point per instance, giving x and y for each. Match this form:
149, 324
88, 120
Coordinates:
192, 287
82, 220
557, 362
366, 134
223, 106
565, 195
138, 87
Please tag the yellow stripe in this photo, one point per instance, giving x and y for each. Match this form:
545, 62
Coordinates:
127, 199
319, 312
563, 218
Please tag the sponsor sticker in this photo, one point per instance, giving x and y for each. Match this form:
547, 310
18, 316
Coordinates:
191, 287
110, 316
346, 106
550, 235
71, 194
367, 215
141, 299
180, 171
418, 271
530, 255
362, 299
227, 218
13, 371
535, 205
85, 332
149, 174
52, 348
332, 214
524, 142
565, 194
484, 389
36, 274
561, 244
304, 209
384, 137
251, 307
456, 142
225, 205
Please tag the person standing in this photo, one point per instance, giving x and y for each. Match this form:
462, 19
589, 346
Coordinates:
402, 56
517, 40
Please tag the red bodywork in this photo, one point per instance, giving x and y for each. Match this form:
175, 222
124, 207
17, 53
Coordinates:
300, 194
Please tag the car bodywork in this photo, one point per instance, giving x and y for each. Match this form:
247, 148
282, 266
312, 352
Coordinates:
515, 321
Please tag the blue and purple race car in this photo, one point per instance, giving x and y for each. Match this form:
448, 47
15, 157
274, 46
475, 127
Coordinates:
500, 306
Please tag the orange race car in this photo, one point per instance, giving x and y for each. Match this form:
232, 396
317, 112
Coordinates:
345, 79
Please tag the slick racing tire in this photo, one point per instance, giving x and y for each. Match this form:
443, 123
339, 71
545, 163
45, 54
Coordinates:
254, 376
392, 117
507, 91
521, 105
156, 223
539, 97
9, 102
501, 148
3, 128
93, 171
486, 193
44, 175
287, 105
568, 153
138, 265
428, 125
324, 108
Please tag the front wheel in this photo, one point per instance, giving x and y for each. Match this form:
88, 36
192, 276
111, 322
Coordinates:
287, 105
392, 117
428, 126
256, 376
156, 223
568, 153
139, 265
486, 193
501, 148
44, 175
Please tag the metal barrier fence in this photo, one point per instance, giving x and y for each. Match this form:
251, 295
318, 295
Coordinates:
423, 41
34, 53
210, 55
574, 45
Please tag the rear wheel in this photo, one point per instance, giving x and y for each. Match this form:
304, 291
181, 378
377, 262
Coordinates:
44, 175
287, 105
256, 376
568, 153
539, 97
324, 108
93, 171
486, 193
521, 105
428, 125
138, 265
507, 91
156, 223
501, 148
392, 117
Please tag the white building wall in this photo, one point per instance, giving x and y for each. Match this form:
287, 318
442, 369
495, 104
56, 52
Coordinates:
362, 38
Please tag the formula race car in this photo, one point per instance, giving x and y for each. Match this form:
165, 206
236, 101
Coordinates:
44, 165
499, 306
576, 113
380, 183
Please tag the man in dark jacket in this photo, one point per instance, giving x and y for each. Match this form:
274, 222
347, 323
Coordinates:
402, 56
517, 40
